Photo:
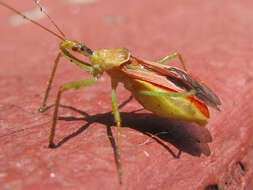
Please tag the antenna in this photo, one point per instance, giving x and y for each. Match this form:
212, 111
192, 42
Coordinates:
34, 22
51, 20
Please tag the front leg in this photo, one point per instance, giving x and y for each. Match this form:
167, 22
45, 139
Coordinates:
49, 83
71, 58
67, 86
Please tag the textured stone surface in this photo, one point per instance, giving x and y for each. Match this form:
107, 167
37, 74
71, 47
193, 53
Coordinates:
215, 39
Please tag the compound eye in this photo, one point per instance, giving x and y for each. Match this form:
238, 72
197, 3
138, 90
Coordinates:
89, 51
83, 47
75, 48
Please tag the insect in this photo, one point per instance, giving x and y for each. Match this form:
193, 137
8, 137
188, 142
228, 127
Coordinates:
164, 90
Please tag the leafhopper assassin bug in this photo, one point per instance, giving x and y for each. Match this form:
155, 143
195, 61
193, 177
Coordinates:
167, 91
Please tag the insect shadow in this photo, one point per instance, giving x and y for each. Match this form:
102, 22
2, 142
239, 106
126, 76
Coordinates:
187, 137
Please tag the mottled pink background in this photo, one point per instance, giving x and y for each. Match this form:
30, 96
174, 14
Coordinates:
215, 39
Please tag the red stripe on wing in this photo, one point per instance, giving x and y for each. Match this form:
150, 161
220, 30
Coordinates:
185, 81
157, 75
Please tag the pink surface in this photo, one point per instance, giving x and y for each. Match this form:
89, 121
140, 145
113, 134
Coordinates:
215, 39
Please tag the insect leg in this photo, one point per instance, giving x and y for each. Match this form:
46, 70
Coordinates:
173, 94
49, 83
73, 59
63, 88
171, 56
117, 120
78, 62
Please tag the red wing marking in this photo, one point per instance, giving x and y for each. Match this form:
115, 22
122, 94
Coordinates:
182, 80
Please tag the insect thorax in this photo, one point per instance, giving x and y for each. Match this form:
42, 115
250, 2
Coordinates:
107, 59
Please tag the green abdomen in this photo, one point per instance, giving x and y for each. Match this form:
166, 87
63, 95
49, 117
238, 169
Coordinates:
181, 108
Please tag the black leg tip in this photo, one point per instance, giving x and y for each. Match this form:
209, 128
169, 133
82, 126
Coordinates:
52, 145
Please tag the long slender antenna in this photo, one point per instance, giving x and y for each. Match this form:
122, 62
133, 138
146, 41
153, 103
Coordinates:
51, 20
31, 20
